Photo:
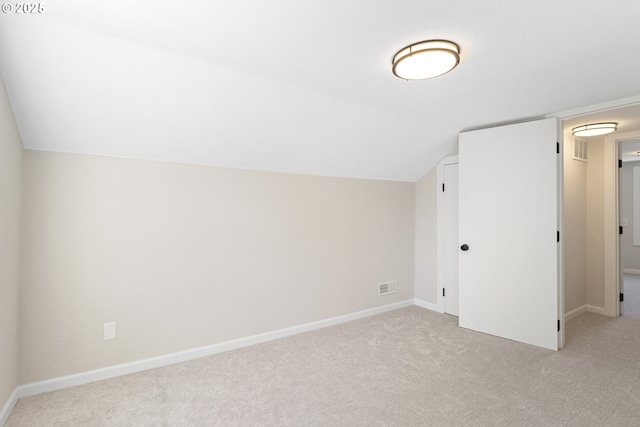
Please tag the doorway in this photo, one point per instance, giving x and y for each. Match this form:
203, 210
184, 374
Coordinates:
599, 289
629, 209
447, 237
611, 273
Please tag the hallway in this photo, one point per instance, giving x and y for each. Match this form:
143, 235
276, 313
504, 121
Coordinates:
631, 295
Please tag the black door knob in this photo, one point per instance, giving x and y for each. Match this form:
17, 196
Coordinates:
464, 247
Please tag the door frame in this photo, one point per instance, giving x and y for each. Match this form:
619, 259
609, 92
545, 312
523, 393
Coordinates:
613, 276
449, 160
612, 255
612, 263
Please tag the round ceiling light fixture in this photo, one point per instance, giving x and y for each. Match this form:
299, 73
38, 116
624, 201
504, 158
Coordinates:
594, 129
426, 59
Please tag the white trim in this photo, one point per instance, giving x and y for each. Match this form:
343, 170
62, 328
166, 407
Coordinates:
560, 223
597, 310
428, 305
8, 407
612, 266
631, 271
169, 359
635, 199
449, 160
584, 309
618, 103
575, 313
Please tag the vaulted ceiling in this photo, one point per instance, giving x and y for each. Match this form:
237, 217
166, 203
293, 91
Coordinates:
303, 86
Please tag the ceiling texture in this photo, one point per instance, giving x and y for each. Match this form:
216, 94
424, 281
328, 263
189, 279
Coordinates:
304, 86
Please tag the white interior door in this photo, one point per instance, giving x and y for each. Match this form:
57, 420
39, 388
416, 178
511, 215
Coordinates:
510, 280
450, 224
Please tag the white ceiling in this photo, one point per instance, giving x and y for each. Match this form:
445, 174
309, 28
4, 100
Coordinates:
303, 87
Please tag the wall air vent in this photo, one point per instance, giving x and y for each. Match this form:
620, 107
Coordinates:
387, 288
580, 147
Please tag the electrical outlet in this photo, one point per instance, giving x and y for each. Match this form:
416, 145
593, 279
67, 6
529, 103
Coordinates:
625, 222
110, 331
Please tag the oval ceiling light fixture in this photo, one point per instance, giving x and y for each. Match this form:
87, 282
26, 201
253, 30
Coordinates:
426, 59
594, 129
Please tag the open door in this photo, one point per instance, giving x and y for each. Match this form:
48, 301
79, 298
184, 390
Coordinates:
510, 270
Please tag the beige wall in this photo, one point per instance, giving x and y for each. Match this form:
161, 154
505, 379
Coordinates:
186, 256
595, 223
584, 226
630, 253
575, 229
10, 195
426, 238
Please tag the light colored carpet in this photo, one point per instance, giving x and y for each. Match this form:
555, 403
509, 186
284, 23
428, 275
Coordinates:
410, 367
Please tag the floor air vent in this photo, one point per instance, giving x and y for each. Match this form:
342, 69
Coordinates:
387, 288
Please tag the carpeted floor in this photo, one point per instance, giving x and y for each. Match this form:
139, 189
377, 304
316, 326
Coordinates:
409, 367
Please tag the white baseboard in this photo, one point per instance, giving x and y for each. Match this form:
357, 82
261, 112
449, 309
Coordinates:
169, 359
575, 313
8, 407
428, 305
583, 309
594, 309
631, 271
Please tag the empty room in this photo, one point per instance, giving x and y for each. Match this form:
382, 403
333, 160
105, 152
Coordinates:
319, 213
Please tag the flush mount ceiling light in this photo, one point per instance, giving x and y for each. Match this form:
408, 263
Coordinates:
426, 59
595, 129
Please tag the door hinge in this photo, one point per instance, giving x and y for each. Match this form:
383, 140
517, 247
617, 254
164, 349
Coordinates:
621, 297
443, 186
620, 227
619, 163
442, 291
557, 148
558, 237
558, 325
